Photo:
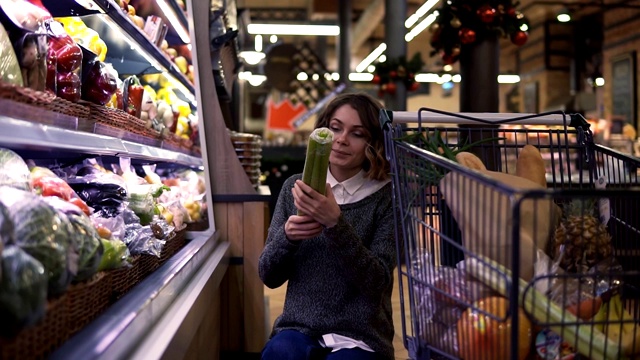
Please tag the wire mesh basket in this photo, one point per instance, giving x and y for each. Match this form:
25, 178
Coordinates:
518, 237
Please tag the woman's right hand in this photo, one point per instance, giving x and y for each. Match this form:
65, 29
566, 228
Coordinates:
300, 227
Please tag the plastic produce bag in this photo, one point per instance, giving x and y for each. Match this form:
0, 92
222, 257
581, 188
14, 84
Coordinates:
10, 72
14, 172
83, 238
43, 233
142, 240
441, 295
115, 255
105, 193
23, 290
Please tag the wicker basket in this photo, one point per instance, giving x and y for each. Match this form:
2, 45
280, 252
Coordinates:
173, 245
148, 264
124, 278
86, 300
40, 340
45, 101
115, 122
198, 226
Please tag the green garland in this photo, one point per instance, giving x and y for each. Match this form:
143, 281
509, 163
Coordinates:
463, 22
394, 70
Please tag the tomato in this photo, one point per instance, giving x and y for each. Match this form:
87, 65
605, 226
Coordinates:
53, 186
81, 204
482, 336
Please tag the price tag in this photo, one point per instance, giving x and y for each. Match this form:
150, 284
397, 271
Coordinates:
604, 207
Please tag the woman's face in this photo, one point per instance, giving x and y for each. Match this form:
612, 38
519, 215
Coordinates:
349, 143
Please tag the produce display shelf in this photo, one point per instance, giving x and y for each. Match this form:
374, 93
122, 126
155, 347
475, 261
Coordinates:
149, 315
117, 41
130, 51
21, 134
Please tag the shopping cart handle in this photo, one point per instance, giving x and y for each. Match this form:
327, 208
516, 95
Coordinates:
385, 118
578, 121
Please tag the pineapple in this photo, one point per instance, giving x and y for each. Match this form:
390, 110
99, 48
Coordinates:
585, 239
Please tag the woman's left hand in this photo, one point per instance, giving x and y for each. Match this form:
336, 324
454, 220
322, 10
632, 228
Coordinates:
323, 209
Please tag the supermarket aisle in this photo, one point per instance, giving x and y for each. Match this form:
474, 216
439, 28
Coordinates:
275, 299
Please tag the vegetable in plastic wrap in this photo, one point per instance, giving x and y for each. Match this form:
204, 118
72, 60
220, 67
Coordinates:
23, 290
115, 255
90, 250
142, 200
142, 240
14, 172
83, 238
10, 72
105, 193
44, 233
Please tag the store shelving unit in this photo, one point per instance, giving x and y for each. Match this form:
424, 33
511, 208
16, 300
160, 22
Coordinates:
166, 313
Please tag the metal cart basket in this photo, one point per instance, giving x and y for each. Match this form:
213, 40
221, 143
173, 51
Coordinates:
518, 237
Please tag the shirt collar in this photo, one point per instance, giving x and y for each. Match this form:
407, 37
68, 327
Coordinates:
351, 185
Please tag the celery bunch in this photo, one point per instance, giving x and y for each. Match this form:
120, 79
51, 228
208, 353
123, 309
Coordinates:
317, 161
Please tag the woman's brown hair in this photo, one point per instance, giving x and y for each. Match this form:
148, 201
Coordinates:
376, 166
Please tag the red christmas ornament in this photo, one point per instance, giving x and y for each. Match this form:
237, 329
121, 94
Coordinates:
512, 12
467, 36
376, 79
435, 38
414, 86
487, 14
391, 88
519, 38
448, 59
393, 74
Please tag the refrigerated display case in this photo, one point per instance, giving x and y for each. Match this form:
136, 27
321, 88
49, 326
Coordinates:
175, 310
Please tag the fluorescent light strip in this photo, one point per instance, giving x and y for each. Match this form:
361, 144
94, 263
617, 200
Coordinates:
369, 59
421, 26
173, 20
428, 5
288, 29
435, 78
360, 76
134, 46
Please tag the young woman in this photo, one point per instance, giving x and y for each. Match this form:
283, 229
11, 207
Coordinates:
338, 258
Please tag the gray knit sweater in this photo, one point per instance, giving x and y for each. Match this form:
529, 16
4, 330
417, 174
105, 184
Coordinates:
341, 281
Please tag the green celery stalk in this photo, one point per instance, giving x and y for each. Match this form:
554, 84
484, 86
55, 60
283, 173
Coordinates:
316, 162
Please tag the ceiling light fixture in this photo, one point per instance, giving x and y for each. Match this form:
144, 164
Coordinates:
563, 15
258, 43
290, 29
371, 57
173, 20
360, 76
252, 57
428, 5
508, 79
421, 26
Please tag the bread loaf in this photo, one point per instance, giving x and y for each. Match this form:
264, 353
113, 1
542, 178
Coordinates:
470, 160
531, 166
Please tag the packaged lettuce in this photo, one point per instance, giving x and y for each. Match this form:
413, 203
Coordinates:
23, 290
43, 233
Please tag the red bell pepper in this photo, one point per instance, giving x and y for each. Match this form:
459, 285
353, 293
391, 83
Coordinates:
134, 92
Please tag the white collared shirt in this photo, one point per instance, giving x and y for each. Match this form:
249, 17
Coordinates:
353, 189
349, 191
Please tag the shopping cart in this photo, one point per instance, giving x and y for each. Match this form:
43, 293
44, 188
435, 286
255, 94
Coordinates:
477, 246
